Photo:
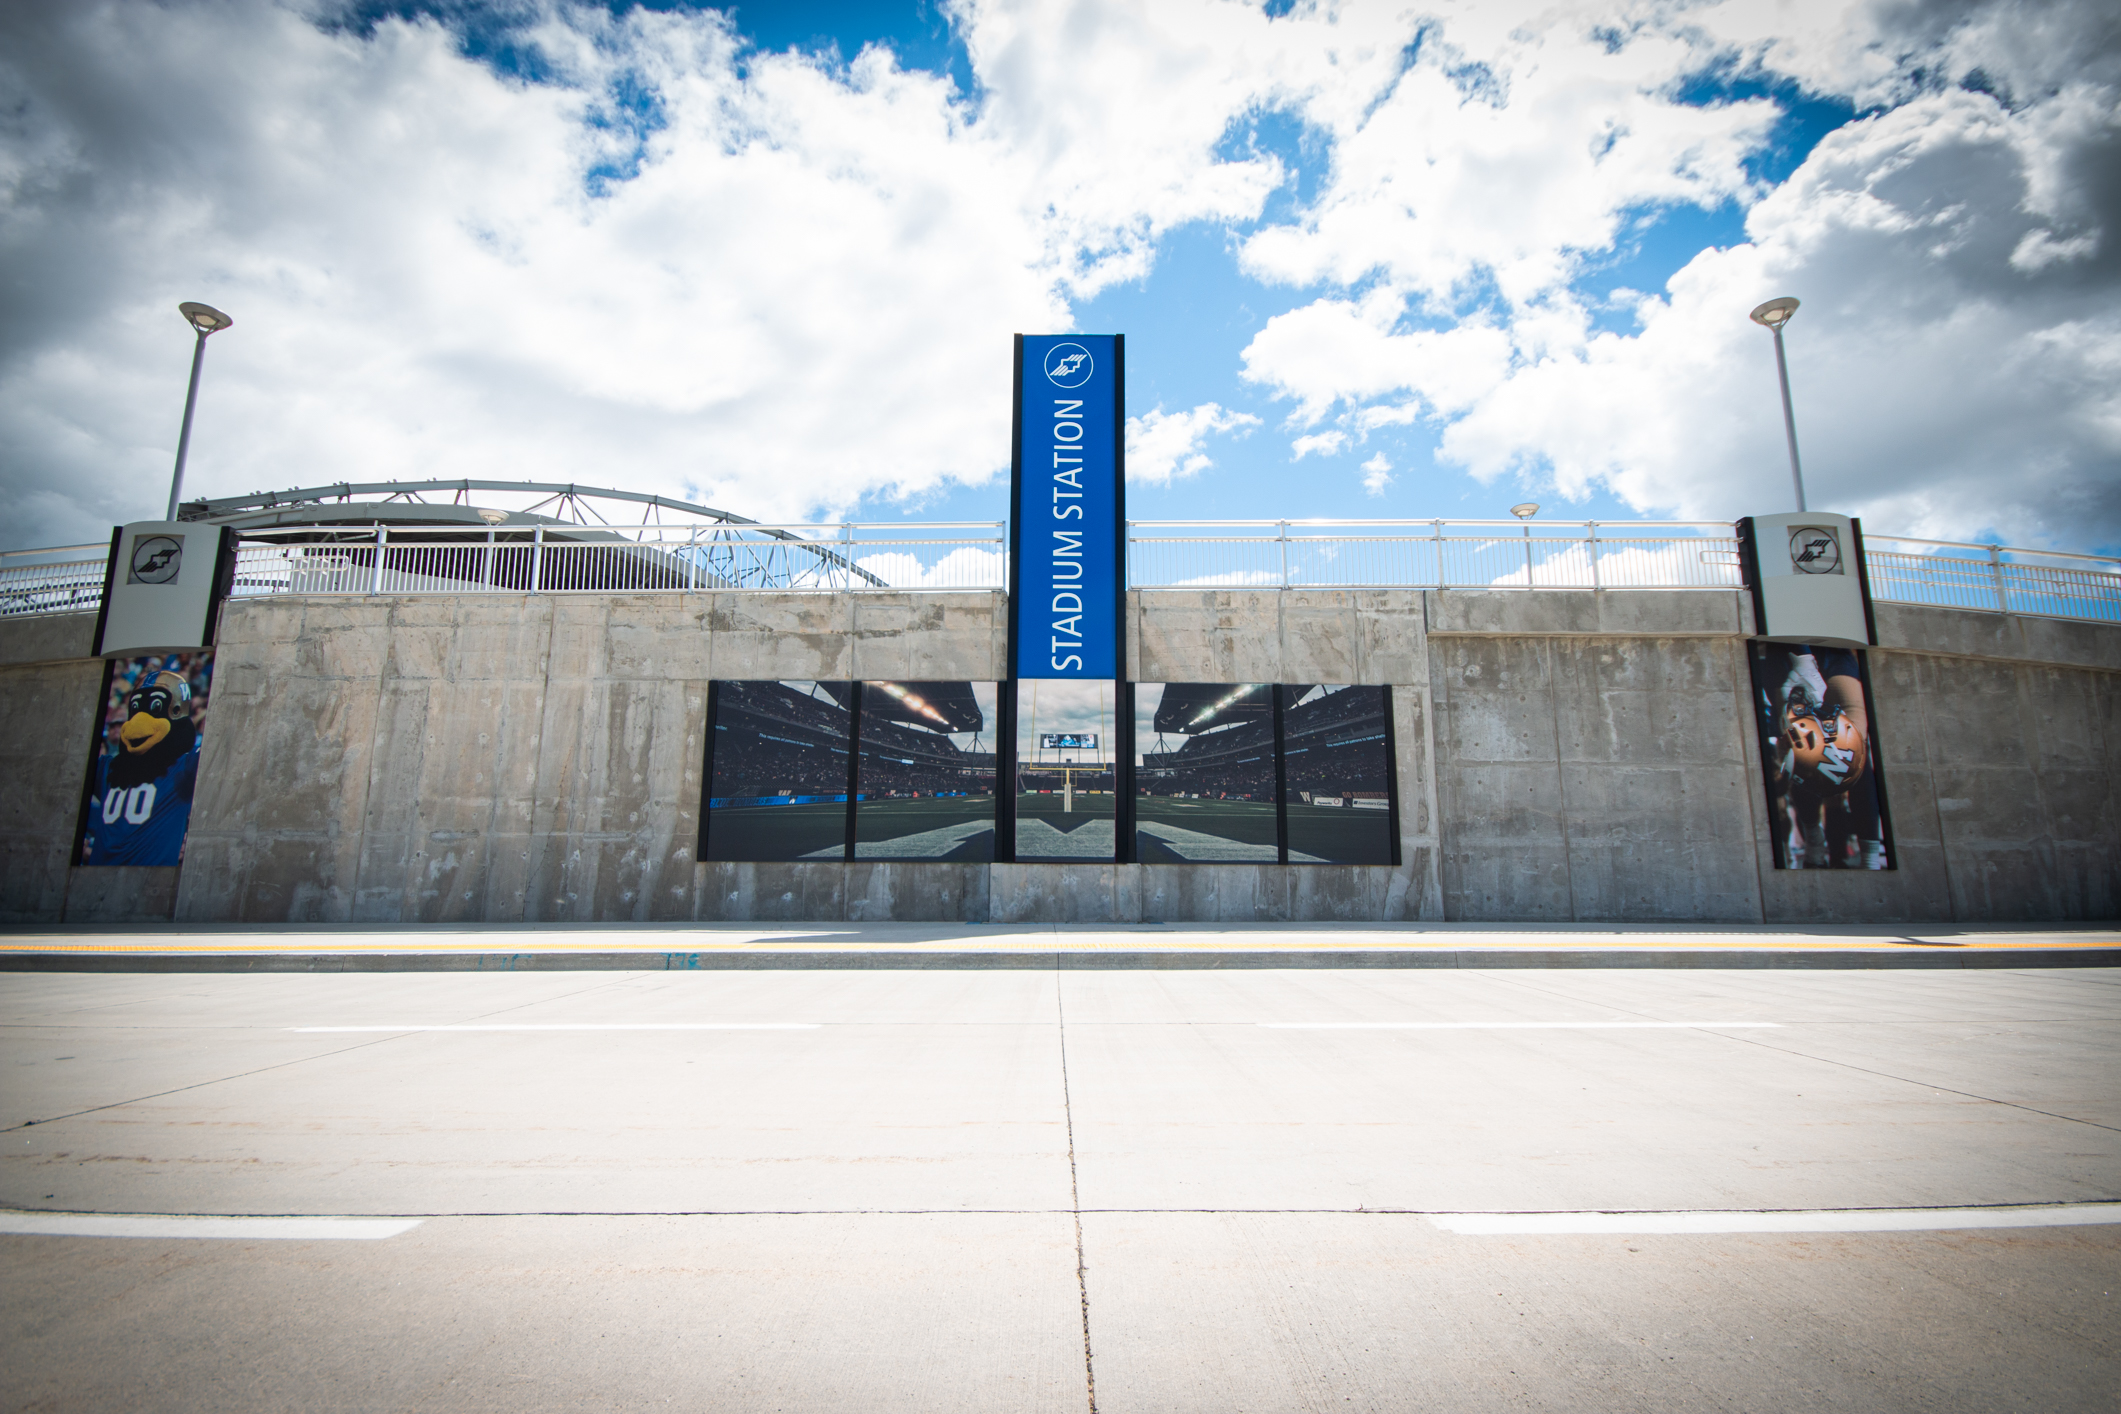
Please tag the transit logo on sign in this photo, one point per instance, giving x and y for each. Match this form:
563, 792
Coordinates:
1814, 549
1069, 365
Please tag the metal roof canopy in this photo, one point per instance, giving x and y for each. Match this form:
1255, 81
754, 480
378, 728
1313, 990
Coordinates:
569, 496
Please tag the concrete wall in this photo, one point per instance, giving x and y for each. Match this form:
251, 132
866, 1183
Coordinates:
1598, 762
1562, 755
48, 689
509, 757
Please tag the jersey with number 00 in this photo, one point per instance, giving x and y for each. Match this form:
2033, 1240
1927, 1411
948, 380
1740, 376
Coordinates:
141, 824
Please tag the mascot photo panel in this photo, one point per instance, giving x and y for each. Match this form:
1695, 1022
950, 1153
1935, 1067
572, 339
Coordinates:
1824, 797
146, 760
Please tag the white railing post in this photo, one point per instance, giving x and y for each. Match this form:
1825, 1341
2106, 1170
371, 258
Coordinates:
375, 580
1528, 557
847, 554
1591, 548
488, 576
1995, 569
537, 556
1281, 532
1436, 534
692, 560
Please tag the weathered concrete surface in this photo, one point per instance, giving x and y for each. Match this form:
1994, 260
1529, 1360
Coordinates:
47, 716
46, 638
122, 894
1592, 768
1267, 635
2008, 776
1654, 613
2019, 638
1594, 778
508, 756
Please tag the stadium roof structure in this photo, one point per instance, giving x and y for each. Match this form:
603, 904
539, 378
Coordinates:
409, 503
574, 512
1190, 708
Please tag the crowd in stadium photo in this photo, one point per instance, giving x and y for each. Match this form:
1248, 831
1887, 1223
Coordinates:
1334, 746
899, 762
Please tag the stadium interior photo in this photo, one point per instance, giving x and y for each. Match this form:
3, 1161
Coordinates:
907, 771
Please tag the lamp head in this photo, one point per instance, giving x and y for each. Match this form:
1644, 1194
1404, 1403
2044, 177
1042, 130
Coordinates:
493, 517
1775, 313
1525, 511
204, 317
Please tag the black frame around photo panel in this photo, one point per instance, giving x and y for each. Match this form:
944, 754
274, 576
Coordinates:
1352, 830
1208, 796
1794, 787
919, 796
1030, 782
749, 816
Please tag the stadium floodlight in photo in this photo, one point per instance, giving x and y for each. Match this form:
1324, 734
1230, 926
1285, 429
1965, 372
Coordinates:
1066, 797
1204, 777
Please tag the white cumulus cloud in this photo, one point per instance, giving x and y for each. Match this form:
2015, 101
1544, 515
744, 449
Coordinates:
1162, 446
1957, 253
1377, 474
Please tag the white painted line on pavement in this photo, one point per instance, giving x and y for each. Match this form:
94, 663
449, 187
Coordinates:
178, 1225
1515, 1025
593, 1026
1824, 1220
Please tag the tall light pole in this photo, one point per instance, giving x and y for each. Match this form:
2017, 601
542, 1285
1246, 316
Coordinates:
207, 320
1774, 314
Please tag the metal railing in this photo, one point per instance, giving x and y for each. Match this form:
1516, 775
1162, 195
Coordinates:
958, 555
543, 559
66, 579
1955, 574
1432, 554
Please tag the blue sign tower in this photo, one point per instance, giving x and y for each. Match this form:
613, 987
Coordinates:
1068, 508
1068, 547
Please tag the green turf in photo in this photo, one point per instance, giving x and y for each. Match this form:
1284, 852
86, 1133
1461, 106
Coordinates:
1340, 834
952, 830
772, 833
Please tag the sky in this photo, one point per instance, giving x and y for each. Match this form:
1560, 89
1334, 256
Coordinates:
1372, 259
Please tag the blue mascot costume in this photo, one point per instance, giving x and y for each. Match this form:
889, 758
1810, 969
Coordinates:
142, 801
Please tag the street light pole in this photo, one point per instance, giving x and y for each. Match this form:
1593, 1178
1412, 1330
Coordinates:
205, 319
1774, 314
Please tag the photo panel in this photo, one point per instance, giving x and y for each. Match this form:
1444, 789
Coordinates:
926, 772
1066, 771
1826, 804
778, 771
145, 766
1204, 779
1337, 770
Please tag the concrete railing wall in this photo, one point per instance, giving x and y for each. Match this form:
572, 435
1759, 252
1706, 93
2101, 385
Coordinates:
1562, 756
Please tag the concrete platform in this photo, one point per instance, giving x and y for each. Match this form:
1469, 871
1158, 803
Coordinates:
1098, 1190
748, 947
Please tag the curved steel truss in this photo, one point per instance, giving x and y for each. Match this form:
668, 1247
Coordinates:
729, 549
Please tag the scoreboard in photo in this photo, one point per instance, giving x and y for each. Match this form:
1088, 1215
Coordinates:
1067, 741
